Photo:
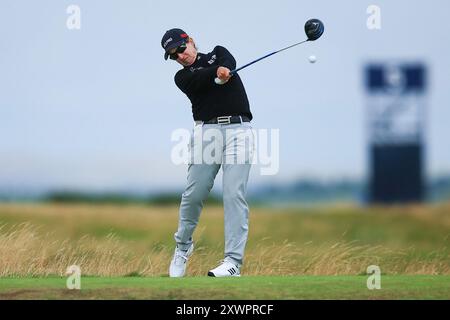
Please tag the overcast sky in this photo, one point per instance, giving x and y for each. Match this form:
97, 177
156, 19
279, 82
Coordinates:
95, 108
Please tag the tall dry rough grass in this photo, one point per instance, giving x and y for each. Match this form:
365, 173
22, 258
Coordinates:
26, 250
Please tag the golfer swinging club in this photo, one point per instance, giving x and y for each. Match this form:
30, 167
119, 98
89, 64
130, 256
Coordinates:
224, 108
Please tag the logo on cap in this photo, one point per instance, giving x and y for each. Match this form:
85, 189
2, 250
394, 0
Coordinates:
167, 42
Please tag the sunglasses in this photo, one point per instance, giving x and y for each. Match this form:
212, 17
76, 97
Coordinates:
174, 52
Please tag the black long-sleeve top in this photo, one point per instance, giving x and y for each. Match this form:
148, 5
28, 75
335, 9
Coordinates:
208, 99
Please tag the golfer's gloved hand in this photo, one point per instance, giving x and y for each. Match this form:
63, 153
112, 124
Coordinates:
223, 74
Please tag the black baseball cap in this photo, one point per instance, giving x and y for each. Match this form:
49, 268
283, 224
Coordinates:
172, 39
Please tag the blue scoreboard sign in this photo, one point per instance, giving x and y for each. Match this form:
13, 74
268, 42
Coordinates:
396, 118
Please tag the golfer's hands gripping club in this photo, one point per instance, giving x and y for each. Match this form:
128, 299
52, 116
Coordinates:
223, 75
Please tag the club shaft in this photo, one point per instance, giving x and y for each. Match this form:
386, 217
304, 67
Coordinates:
266, 56
249, 64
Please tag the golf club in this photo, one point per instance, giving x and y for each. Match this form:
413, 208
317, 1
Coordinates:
314, 29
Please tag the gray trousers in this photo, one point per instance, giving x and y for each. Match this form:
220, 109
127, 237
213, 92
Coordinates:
232, 149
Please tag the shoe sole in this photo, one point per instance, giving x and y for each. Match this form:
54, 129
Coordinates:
210, 274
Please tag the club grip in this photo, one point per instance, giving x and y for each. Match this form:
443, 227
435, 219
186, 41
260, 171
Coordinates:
220, 82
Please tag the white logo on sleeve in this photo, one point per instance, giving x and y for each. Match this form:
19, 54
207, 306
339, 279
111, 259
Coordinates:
192, 69
213, 59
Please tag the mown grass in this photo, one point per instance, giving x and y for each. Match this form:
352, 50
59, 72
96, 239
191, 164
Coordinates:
112, 240
256, 287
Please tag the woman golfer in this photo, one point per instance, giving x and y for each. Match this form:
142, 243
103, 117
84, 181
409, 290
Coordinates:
224, 112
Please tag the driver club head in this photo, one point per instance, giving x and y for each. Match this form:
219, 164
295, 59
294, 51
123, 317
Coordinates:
314, 29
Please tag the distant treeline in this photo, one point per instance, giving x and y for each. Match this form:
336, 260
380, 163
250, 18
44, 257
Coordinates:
313, 191
118, 198
300, 191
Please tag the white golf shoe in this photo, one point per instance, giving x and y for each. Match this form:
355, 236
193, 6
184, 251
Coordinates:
178, 264
225, 269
